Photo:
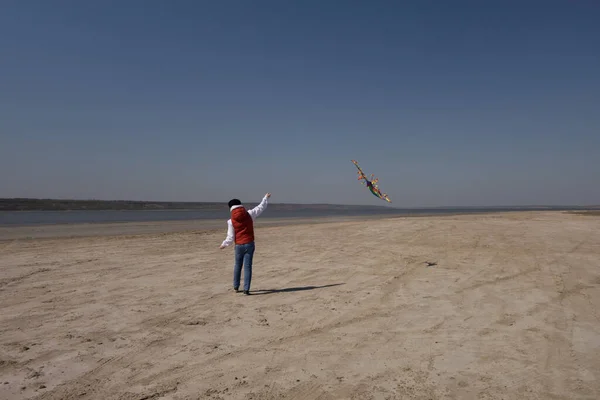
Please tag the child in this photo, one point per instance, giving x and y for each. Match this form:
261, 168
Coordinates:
240, 229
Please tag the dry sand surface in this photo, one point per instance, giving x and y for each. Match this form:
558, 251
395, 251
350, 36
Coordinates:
344, 310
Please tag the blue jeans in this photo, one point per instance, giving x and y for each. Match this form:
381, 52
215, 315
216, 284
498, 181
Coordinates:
243, 256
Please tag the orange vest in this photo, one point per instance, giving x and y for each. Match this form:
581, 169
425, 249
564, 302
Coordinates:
242, 225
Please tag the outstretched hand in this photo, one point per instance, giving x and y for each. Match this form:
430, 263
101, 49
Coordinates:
268, 195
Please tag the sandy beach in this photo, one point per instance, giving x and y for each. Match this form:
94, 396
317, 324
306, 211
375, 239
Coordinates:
495, 306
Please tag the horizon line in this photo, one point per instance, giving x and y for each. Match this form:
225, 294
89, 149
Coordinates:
315, 204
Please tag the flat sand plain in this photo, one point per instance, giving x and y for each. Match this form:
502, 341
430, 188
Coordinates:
495, 306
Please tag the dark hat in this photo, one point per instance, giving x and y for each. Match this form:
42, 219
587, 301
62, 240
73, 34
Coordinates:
234, 202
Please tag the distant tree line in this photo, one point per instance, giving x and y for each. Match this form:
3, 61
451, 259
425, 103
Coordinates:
72, 205
23, 204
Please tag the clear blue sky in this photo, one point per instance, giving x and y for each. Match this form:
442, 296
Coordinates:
447, 102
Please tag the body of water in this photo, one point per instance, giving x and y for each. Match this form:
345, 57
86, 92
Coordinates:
24, 218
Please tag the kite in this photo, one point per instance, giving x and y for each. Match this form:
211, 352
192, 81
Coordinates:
371, 184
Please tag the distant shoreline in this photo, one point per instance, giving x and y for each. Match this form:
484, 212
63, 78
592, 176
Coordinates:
25, 204
34, 204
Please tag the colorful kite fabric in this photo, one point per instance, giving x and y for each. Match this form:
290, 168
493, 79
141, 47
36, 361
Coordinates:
371, 184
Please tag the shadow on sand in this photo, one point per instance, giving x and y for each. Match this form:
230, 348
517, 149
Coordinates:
293, 289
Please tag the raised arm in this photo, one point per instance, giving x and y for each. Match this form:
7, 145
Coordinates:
256, 211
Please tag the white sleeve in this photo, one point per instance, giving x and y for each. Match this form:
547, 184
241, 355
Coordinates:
229, 239
256, 211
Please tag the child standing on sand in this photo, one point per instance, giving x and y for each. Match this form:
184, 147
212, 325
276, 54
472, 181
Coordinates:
240, 229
